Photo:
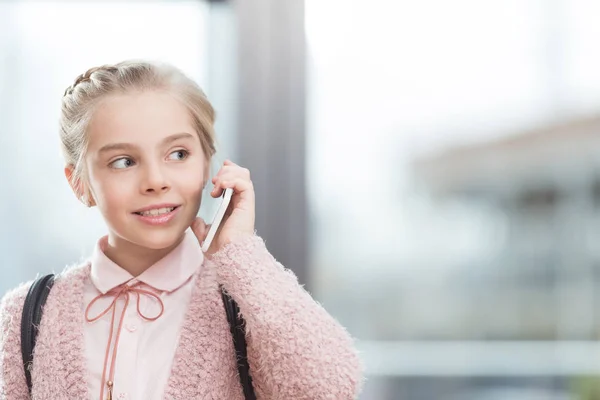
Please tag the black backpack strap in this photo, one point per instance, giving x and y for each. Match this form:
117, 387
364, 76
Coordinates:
32, 315
30, 321
238, 332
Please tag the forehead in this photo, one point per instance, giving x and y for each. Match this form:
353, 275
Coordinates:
146, 117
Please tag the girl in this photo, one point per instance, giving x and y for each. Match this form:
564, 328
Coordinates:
144, 317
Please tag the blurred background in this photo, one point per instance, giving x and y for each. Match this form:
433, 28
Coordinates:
429, 169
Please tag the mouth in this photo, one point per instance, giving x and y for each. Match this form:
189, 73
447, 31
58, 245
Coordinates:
157, 215
156, 211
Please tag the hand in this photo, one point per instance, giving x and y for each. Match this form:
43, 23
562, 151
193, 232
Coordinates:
240, 215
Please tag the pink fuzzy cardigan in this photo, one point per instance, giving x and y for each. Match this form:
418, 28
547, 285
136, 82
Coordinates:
296, 350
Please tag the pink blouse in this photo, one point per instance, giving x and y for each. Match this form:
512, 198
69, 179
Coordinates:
141, 352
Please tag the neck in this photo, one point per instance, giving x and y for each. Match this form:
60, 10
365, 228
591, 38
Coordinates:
134, 258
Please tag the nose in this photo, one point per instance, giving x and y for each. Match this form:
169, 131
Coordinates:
155, 180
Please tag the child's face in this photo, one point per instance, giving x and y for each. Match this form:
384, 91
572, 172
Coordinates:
144, 153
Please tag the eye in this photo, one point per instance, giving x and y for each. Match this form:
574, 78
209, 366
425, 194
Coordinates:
122, 163
179, 155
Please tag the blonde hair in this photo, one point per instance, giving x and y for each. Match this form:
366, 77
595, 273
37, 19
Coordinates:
80, 99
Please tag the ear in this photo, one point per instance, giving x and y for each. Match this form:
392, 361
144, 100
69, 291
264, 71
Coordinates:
78, 187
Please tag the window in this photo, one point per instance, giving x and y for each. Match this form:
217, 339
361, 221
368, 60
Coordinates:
451, 154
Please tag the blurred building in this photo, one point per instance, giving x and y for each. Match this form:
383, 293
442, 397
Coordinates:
545, 279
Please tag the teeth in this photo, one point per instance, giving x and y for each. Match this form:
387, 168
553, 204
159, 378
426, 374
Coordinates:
155, 212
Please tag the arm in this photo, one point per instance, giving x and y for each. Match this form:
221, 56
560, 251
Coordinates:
296, 350
12, 377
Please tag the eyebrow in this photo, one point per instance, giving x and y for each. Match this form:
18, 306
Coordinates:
129, 146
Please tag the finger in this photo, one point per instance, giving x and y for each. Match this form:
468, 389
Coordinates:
227, 165
238, 170
228, 173
237, 183
217, 190
226, 169
225, 176
219, 173
200, 229
232, 173
229, 168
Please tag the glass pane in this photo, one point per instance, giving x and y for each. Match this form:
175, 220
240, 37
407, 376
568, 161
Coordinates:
453, 184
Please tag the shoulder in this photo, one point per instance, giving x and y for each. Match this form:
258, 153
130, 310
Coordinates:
11, 310
11, 364
11, 305
73, 274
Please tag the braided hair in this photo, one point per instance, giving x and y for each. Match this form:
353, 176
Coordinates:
86, 77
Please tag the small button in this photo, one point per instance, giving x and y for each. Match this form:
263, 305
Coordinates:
123, 396
131, 328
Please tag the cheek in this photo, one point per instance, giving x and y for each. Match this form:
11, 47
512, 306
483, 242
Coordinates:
111, 192
190, 182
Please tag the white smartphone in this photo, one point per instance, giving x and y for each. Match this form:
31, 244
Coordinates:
225, 199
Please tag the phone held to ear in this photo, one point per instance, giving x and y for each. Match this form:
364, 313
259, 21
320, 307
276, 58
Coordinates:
225, 199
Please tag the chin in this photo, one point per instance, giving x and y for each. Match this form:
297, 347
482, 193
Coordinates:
159, 239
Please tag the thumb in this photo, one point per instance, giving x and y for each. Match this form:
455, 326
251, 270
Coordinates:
200, 229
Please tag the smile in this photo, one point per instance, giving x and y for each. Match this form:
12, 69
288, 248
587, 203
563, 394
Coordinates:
155, 212
158, 214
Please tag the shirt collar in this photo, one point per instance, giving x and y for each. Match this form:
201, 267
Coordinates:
167, 274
